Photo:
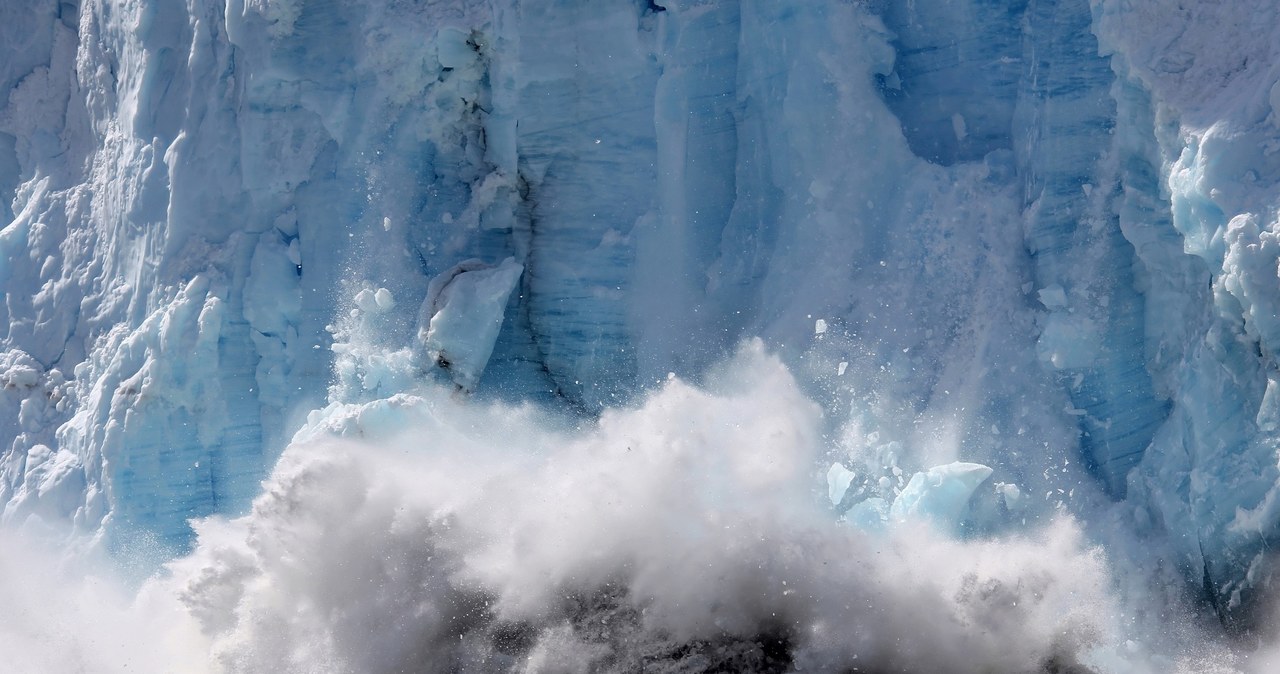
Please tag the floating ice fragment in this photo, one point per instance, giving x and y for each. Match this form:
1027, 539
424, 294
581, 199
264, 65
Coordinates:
819, 326
841, 368
384, 299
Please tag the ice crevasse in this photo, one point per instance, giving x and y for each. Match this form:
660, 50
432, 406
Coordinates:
1023, 255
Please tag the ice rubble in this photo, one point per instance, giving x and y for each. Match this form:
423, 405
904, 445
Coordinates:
941, 493
462, 314
1040, 237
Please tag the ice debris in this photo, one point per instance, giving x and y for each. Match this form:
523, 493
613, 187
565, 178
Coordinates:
462, 315
838, 480
940, 494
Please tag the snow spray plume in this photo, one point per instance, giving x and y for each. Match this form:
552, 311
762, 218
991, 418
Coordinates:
683, 534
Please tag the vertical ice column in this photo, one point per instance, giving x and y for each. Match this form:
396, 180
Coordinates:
1094, 331
587, 146
1202, 138
955, 82
695, 109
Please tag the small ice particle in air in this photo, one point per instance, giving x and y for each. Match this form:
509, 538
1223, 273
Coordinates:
841, 368
447, 218
959, 127
386, 224
384, 299
819, 326
1011, 495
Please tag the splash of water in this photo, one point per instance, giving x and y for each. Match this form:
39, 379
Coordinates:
425, 533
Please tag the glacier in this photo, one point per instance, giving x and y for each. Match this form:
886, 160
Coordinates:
552, 302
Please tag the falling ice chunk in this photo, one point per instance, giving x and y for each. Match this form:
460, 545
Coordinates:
819, 326
869, 515
364, 300
841, 368
838, 480
386, 224
1053, 297
958, 127
462, 315
384, 300
940, 494
1011, 495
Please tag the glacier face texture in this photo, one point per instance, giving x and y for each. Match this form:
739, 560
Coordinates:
1036, 236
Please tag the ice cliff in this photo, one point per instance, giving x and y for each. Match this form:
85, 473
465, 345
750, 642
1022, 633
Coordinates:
1038, 239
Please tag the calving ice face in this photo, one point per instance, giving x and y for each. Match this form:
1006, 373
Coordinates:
618, 335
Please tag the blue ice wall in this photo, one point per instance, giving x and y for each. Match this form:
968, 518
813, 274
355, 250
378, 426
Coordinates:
1065, 140
956, 81
1026, 233
974, 78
